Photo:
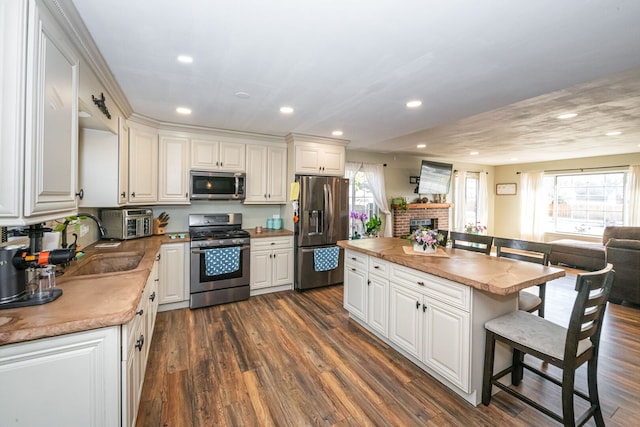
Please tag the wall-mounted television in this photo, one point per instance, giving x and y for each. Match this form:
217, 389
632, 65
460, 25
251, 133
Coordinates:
435, 178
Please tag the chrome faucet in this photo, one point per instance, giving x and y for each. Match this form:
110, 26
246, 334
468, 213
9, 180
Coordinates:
63, 232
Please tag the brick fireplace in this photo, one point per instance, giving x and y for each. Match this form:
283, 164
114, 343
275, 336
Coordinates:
437, 211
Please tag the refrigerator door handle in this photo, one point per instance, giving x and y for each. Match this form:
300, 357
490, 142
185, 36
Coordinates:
328, 206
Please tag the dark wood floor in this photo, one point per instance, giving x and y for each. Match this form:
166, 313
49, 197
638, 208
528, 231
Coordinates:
291, 359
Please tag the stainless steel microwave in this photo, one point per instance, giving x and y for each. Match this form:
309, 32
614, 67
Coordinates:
207, 185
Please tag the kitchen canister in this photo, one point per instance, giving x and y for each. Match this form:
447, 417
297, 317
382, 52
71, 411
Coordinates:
277, 223
270, 223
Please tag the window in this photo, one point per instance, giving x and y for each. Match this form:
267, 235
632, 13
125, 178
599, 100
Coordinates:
471, 195
360, 199
584, 203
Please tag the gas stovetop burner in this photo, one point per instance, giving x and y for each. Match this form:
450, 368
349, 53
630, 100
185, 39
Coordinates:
217, 230
217, 234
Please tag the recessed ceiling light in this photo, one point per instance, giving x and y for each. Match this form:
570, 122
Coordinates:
613, 133
336, 133
567, 116
83, 114
413, 104
286, 110
421, 145
242, 95
513, 159
183, 110
186, 59
474, 153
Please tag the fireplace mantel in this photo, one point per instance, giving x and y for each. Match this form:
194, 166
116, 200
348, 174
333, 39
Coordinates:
402, 217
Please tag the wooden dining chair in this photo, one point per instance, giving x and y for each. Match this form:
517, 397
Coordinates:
525, 250
566, 348
471, 242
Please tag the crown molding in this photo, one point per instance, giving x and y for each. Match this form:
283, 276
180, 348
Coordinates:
79, 35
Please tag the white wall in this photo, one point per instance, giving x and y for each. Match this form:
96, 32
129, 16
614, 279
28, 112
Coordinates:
507, 208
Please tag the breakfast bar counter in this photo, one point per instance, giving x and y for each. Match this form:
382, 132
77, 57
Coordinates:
432, 307
500, 276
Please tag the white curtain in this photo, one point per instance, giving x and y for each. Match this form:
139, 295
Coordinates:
350, 170
459, 200
532, 205
633, 196
483, 200
375, 178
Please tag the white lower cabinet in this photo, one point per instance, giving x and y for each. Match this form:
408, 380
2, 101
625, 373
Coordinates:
271, 264
174, 273
426, 317
136, 341
447, 341
355, 280
70, 380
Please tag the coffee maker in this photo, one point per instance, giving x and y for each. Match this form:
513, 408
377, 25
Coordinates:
22, 265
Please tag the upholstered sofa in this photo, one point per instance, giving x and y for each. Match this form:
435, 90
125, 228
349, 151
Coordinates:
620, 246
588, 255
624, 254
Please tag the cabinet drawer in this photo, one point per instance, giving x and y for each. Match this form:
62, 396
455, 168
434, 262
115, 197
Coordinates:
455, 294
271, 243
379, 267
355, 259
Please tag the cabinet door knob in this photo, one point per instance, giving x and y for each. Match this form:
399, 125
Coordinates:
80, 194
140, 342
424, 307
152, 297
123, 194
368, 282
141, 312
417, 305
133, 194
421, 283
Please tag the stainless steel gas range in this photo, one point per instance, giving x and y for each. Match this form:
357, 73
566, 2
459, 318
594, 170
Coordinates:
220, 254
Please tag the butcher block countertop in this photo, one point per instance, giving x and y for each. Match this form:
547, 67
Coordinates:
87, 302
499, 276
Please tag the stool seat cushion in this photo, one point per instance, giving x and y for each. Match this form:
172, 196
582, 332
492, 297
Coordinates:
527, 301
534, 332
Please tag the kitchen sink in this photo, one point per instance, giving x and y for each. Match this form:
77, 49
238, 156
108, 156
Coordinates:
112, 262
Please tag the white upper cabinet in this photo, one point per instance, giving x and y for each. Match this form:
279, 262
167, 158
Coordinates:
317, 156
173, 170
39, 115
214, 155
143, 164
266, 174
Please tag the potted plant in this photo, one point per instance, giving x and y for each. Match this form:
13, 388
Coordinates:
373, 225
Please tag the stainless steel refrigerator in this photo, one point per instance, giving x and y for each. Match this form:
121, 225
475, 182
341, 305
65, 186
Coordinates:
324, 219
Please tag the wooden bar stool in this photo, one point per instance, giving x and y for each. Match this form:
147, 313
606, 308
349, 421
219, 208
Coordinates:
525, 250
567, 348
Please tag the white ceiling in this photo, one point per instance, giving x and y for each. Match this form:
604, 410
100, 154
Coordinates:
492, 75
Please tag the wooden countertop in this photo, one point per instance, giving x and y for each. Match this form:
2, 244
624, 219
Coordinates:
499, 276
268, 232
87, 302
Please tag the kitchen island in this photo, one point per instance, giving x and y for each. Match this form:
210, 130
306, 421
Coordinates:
432, 308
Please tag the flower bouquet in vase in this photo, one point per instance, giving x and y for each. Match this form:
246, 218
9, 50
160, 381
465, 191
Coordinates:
476, 228
426, 240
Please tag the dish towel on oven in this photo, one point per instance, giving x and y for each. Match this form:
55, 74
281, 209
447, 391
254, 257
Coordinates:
221, 260
325, 259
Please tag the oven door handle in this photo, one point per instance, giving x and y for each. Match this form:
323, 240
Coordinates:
201, 251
